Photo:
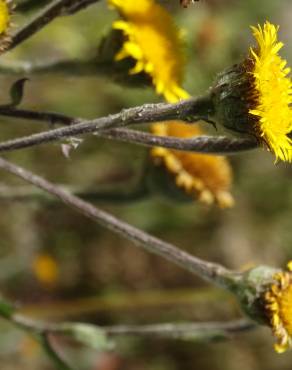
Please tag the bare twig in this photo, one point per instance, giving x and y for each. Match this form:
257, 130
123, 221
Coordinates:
212, 272
130, 302
91, 67
98, 337
52, 354
48, 117
47, 15
29, 5
117, 194
194, 109
79, 5
204, 331
117, 72
201, 144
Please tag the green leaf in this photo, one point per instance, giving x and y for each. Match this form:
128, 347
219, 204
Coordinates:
6, 309
16, 92
89, 335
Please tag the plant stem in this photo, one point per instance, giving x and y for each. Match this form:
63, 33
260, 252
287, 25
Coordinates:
46, 15
192, 109
211, 272
52, 354
201, 331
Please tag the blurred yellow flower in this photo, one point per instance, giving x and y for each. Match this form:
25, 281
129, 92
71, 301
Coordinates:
206, 177
46, 269
273, 92
278, 306
154, 42
5, 22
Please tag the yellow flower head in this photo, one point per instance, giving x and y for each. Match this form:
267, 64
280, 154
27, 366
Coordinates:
273, 92
255, 96
278, 307
5, 23
154, 42
46, 270
206, 177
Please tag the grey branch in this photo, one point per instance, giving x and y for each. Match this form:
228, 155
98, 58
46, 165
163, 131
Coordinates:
112, 194
117, 72
47, 15
192, 109
208, 331
211, 272
204, 331
200, 144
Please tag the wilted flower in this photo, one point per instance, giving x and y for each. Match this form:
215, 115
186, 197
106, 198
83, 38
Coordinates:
205, 177
255, 96
154, 42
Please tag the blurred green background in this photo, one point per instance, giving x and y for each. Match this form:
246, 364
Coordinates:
102, 278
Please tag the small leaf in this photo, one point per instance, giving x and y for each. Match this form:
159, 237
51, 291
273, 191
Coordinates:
66, 149
6, 308
16, 92
89, 335
71, 143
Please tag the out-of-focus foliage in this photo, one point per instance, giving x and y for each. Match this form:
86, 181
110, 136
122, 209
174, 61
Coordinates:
101, 277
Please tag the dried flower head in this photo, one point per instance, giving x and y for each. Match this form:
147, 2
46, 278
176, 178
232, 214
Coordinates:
278, 306
255, 96
154, 42
206, 177
6, 7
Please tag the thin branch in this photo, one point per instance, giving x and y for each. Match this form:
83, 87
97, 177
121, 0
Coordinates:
79, 5
117, 194
211, 272
130, 302
64, 67
47, 15
30, 5
200, 144
98, 336
60, 364
48, 117
194, 109
204, 331
116, 72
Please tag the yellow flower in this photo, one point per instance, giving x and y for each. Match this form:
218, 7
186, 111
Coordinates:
5, 23
278, 307
46, 270
273, 90
206, 177
255, 96
154, 42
